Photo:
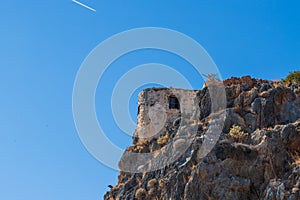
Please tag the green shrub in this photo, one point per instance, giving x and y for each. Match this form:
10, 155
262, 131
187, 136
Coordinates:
237, 134
292, 78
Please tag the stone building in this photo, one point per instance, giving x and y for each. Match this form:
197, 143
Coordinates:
159, 107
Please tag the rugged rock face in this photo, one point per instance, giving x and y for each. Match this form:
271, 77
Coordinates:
264, 165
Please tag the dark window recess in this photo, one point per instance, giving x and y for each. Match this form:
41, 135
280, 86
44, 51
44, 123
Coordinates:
173, 103
139, 107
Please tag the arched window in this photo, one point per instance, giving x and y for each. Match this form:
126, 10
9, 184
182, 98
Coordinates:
173, 103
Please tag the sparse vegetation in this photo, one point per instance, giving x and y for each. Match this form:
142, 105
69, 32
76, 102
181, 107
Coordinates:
237, 134
140, 193
292, 78
163, 139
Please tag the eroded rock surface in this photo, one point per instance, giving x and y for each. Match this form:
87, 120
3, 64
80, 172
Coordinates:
266, 165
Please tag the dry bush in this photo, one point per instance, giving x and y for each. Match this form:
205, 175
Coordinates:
140, 193
152, 183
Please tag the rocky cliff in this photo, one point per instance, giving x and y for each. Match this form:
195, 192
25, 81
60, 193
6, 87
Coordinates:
258, 159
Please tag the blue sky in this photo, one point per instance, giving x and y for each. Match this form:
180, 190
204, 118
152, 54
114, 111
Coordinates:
43, 44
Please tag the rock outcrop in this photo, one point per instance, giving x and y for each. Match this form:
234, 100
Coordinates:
264, 165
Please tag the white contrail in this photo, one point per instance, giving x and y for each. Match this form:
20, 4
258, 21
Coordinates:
84, 5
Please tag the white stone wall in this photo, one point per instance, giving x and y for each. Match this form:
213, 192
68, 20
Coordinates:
153, 110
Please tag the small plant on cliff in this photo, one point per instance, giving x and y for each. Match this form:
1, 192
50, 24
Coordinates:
237, 134
152, 183
163, 139
292, 78
140, 193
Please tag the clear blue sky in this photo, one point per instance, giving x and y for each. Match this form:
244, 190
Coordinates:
43, 44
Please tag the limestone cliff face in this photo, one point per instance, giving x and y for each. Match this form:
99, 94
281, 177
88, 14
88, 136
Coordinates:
264, 165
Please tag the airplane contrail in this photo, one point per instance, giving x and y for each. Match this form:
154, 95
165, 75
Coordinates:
81, 4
